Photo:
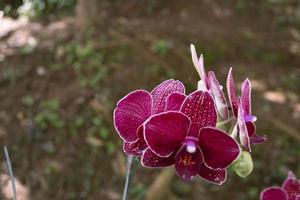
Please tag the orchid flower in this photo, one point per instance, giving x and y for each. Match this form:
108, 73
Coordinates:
136, 107
290, 190
189, 140
241, 108
210, 83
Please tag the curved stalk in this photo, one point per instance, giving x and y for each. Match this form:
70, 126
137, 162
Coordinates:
222, 123
14, 191
129, 176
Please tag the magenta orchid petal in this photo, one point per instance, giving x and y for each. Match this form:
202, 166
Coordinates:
162, 91
218, 95
292, 186
200, 108
298, 197
246, 97
243, 132
251, 128
253, 137
136, 148
214, 176
150, 159
218, 148
165, 132
131, 112
257, 139
233, 100
174, 101
273, 193
188, 164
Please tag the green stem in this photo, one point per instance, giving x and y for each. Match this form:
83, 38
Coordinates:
222, 123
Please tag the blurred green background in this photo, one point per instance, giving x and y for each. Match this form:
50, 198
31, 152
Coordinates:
65, 63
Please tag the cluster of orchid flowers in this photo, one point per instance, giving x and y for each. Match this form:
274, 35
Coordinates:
168, 127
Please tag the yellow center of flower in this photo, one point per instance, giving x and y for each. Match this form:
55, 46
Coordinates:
187, 160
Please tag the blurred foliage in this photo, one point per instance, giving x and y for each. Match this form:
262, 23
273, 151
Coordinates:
10, 75
36, 8
33, 9
161, 47
91, 66
138, 191
49, 115
10, 7
87, 62
92, 72
27, 100
288, 11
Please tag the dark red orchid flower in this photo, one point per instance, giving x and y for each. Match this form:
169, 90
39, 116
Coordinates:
189, 140
136, 107
241, 108
290, 190
209, 82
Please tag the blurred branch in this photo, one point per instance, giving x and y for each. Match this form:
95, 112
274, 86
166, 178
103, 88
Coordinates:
280, 125
161, 187
88, 13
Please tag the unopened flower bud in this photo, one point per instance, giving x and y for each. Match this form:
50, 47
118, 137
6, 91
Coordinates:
243, 166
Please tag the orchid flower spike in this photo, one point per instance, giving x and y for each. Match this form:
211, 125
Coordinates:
209, 82
241, 109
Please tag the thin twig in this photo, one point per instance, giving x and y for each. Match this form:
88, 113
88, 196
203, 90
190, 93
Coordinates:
129, 176
284, 127
12, 178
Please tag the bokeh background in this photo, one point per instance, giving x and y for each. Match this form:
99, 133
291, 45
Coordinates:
65, 63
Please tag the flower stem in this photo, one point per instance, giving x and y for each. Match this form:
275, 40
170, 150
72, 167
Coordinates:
130, 172
222, 123
10, 173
